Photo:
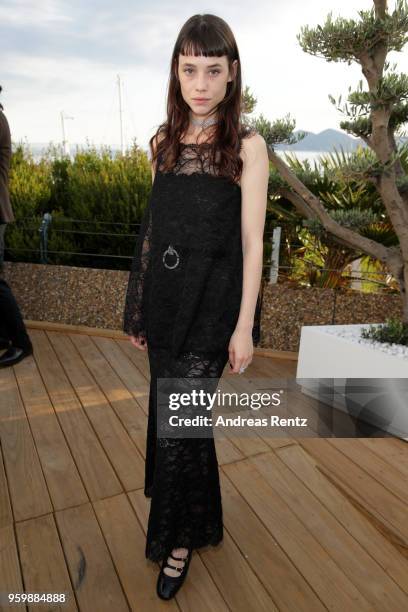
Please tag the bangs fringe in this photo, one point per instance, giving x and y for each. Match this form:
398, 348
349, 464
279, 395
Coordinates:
199, 46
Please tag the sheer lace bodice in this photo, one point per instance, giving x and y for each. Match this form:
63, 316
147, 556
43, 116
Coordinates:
195, 158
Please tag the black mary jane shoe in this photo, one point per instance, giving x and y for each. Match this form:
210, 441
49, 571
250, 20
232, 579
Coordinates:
167, 586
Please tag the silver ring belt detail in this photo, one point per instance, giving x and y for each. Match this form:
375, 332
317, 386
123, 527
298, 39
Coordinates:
171, 251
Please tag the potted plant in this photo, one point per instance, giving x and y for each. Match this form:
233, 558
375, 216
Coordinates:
359, 369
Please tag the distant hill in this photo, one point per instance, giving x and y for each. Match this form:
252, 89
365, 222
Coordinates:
39, 148
326, 141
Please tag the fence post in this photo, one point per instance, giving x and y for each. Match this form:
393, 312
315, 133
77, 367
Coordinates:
45, 223
274, 269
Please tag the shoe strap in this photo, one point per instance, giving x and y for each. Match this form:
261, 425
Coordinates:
179, 569
178, 558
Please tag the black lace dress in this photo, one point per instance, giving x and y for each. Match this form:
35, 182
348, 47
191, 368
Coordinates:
183, 296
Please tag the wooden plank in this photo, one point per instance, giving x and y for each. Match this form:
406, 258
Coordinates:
238, 583
306, 469
126, 370
278, 442
116, 441
238, 587
199, 591
121, 336
319, 416
55, 457
126, 543
392, 450
6, 515
93, 575
275, 366
389, 476
141, 506
124, 404
68, 328
285, 584
381, 591
274, 369
226, 451
365, 492
325, 577
43, 563
10, 574
269, 353
97, 473
138, 358
274, 438
26, 482
248, 441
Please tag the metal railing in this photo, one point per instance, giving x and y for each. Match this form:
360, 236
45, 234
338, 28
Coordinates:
272, 270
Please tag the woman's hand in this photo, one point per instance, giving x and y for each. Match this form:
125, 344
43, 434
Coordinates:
240, 349
139, 342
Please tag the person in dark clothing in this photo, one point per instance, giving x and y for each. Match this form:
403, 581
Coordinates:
13, 333
193, 299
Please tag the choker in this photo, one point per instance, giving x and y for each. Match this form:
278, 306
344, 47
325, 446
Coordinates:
203, 123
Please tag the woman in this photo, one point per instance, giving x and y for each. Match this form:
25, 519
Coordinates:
193, 290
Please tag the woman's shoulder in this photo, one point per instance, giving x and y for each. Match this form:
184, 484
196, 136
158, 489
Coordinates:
250, 137
252, 144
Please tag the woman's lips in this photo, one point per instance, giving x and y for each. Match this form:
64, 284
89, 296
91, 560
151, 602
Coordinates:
200, 100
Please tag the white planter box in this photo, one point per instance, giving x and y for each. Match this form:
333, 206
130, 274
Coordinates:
324, 355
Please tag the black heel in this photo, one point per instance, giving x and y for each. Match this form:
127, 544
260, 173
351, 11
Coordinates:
167, 586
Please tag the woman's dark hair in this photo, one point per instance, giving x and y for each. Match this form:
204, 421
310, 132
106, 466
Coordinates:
210, 36
1, 106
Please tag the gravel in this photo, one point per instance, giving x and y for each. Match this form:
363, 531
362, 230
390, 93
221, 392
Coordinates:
354, 335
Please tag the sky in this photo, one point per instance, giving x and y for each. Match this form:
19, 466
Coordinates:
64, 56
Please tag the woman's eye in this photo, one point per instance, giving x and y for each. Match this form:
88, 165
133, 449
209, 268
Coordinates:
190, 70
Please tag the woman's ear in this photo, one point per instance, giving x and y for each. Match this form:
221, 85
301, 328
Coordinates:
233, 70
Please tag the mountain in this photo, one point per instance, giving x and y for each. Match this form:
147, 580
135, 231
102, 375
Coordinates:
328, 140
325, 141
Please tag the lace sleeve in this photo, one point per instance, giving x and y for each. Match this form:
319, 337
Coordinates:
134, 320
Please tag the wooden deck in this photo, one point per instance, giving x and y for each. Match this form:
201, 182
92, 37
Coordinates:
310, 524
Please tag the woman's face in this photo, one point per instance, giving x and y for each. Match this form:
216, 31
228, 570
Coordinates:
203, 81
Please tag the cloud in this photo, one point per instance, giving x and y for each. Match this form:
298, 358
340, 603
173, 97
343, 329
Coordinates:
122, 32
37, 13
64, 55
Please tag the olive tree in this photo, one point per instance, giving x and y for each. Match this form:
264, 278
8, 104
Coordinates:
375, 114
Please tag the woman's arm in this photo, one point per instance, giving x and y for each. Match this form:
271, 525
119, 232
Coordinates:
254, 190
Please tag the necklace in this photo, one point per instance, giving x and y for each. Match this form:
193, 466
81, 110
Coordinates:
203, 123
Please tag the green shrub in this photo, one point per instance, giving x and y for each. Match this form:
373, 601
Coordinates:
393, 331
96, 202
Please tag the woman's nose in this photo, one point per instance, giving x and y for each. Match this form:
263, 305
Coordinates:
201, 84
